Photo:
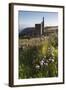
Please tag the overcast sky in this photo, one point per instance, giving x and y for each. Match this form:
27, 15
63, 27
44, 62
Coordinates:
30, 18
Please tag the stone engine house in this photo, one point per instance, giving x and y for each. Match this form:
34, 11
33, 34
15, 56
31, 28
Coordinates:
39, 30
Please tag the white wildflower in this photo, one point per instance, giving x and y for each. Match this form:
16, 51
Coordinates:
37, 66
52, 60
46, 64
42, 62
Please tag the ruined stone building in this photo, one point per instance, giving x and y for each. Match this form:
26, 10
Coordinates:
38, 30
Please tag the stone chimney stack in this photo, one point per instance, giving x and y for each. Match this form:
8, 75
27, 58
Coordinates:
43, 26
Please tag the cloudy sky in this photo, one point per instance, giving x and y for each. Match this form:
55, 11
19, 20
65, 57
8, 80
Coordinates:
30, 18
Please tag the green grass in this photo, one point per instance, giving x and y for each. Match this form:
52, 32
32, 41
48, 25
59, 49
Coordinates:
38, 57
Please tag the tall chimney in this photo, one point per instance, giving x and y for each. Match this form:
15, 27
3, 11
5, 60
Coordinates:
43, 26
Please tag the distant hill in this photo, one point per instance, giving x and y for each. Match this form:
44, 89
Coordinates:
29, 31
26, 31
51, 29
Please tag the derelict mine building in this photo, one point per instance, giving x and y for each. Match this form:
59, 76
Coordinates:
38, 30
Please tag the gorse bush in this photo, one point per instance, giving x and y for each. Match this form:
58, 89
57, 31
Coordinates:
40, 60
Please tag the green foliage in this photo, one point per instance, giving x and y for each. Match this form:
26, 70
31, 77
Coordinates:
39, 61
54, 40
